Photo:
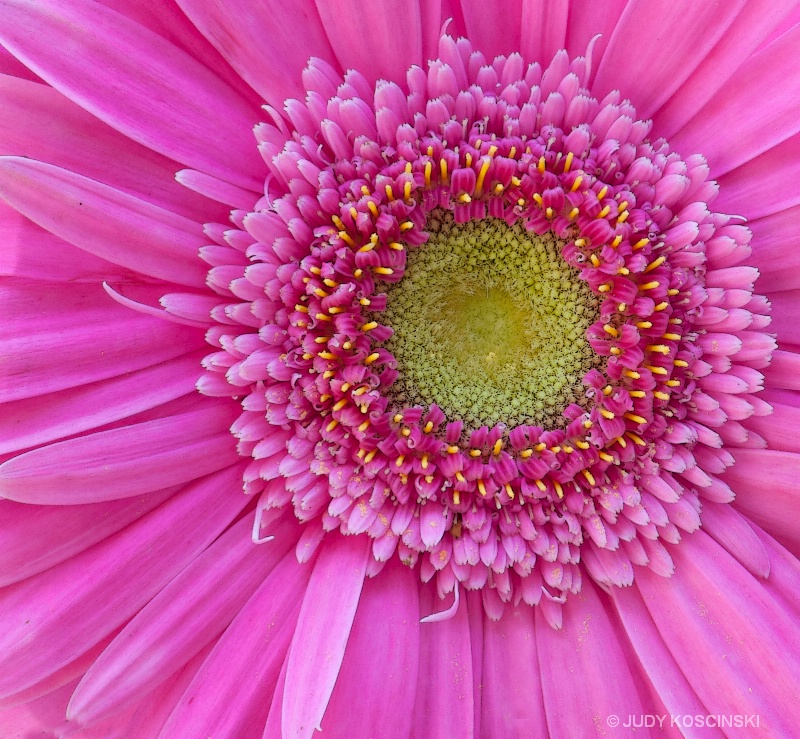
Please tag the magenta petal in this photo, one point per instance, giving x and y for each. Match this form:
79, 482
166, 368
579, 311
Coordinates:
584, 671
732, 531
243, 668
140, 84
444, 703
269, 43
187, 614
318, 646
751, 129
105, 222
692, 29
588, 20
125, 461
71, 607
494, 38
543, 29
512, 692
381, 39
726, 633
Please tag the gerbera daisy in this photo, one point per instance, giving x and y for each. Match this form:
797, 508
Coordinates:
398, 369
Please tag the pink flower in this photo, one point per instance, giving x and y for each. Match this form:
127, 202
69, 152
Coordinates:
479, 341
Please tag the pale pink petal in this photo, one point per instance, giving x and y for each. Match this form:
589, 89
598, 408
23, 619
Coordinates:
383, 649
732, 531
105, 222
36, 538
494, 37
543, 29
38, 718
784, 574
786, 315
750, 129
72, 606
244, 665
512, 691
185, 616
584, 673
268, 43
588, 20
446, 663
141, 85
123, 462
40, 123
635, 60
748, 30
319, 642
726, 633
381, 39
783, 371
775, 250
216, 189
780, 427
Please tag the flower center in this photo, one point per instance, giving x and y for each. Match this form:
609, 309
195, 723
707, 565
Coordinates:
489, 324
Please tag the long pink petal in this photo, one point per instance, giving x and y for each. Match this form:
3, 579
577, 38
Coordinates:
38, 122
726, 633
543, 29
71, 607
381, 38
772, 75
323, 629
40, 717
36, 538
512, 691
243, 667
635, 60
731, 530
498, 36
779, 267
140, 84
268, 43
779, 428
122, 462
584, 672
748, 30
785, 314
40, 420
105, 222
587, 20
383, 649
765, 483
444, 703
185, 616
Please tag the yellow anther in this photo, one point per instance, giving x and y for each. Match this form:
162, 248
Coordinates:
675, 321
322, 317
315, 270
681, 363
301, 308
332, 425
498, 447
540, 447
525, 453
658, 348
521, 202
541, 165
559, 489
582, 444
617, 241
406, 226
330, 283
327, 374
673, 383
636, 419
587, 424
577, 183
389, 193
573, 214
615, 350
589, 477
340, 404
538, 199
397, 417
516, 181
428, 427
541, 485
359, 391
358, 272
567, 449
474, 452
482, 175
424, 462
623, 271
637, 393
605, 287
498, 188
661, 306
452, 449
460, 477
509, 491
580, 243
327, 355
603, 192
353, 212
621, 307
622, 217
621, 442
655, 263
428, 171
468, 159
338, 222
320, 293
405, 432
409, 168
464, 198
373, 208
370, 455
638, 440
369, 326
660, 395
360, 453
399, 461
606, 457
607, 390
609, 329
555, 449
362, 428
672, 337
640, 244
632, 374
383, 271
622, 206
334, 309
482, 488
365, 302
512, 152
345, 387
673, 291
347, 238
321, 339
644, 324
649, 285
325, 397
364, 190
306, 355
407, 190
368, 246
605, 413
456, 497
372, 358
548, 213
568, 161
656, 370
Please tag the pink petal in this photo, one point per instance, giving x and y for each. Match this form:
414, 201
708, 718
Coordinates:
443, 706
783, 371
38, 718
319, 642
36, 538
584, 673
512, 692
494, 38
141, 85
779, 428
243, 667
43, 419
587, 20
543, 29
185, 616
765, 483
123, 462
751, 129
785, 314
750, 27
381, 38
779, 267
635, 60
104, 221
268, 43
732, 531
40, 123
72, 606
726, 634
